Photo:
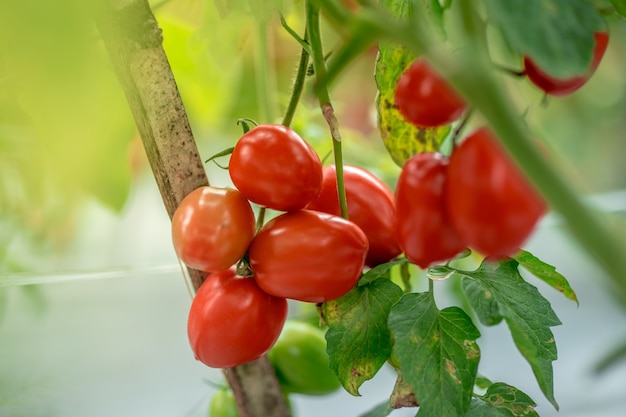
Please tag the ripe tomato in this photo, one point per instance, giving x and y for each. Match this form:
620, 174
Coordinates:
370, 206
564, 86
300, 360
424, 231
212, 228
425, 99
308, 256
274, 167
489, 201
231, 321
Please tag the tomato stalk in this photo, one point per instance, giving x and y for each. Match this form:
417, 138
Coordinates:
298, 85
319, 65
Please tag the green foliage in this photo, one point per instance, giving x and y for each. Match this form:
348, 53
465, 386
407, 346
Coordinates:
438, 353
620, 6
358, 339
547, 273
502, 400
557, 34
497, 291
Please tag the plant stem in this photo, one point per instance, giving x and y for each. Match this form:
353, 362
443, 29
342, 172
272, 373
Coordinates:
298, 86
319, 65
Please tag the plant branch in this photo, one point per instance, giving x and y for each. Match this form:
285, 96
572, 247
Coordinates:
133, 39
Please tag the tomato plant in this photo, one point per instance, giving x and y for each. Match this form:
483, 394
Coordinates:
564, 86
300, 360
308, 256
491, 204
424, 231
274, 167
370, 206
231, 321
212, 228
425, 99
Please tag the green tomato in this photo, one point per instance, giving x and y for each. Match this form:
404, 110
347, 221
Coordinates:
301, 362
223, 404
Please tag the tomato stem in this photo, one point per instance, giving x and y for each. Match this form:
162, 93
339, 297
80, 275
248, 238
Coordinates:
260, 220
298, 85
319, 65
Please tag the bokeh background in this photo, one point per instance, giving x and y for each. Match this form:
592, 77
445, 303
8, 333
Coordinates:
93, 302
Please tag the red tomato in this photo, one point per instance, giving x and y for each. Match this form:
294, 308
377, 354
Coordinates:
425, 99
489, 201
308, 256
564, 86
231, 321
274, 167
370, 206
212, 228
424, 231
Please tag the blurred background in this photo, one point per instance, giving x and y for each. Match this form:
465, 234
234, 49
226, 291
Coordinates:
93, 303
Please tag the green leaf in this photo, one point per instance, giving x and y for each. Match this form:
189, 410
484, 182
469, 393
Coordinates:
438, 353
557, 34
502, 400
546, 273
497, 291
620, 6
380, 271
401, 138
358, 340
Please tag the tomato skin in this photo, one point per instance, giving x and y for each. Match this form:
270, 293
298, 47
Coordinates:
232, 321
424, 230
491, 204
301, 362
425, 99
371, 206
212, 228
565, 86
308, 256
274, 167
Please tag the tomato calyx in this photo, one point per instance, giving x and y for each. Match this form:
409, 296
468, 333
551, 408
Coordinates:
243, 267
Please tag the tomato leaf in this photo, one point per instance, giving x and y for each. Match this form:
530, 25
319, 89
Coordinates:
401, 138
557, 34
502, 400
380, 271
620, 6
497, 291
438, 353
358, 340
546, 273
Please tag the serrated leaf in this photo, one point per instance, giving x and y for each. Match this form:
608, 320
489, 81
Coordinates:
380, 271
557, 34
438, 353
358, 340
497, 291
547, 273
502, 400
401, 138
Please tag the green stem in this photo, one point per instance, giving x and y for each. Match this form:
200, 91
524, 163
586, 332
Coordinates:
298, 86
319, 65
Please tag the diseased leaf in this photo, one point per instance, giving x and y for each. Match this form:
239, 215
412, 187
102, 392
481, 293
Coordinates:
557, 34
438, 353
502, 400
547, 273
497, 291
358, 340
401, 138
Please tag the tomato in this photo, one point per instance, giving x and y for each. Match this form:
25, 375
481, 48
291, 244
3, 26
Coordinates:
274, 167
424, 231
491, 204
425, 99
308, 256
212, 228
564, 86
223, 404
300, 360
370, 206
231, 321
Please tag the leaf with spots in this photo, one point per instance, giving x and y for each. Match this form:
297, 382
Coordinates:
502, 400
438, 353
497, 291
358, 340
547, 273
401, 138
